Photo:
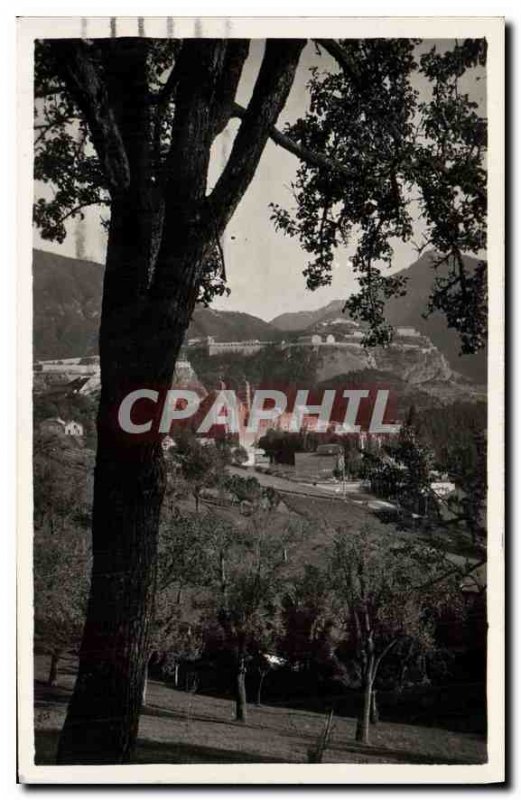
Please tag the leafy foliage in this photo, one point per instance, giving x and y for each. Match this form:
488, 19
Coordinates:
380, 151
392, 151
200, 465
402, 470
61, 570
388, 597
246, 596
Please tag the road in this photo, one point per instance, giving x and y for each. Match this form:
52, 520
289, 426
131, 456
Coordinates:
353, 493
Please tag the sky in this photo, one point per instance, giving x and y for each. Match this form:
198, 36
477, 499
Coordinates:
264, 267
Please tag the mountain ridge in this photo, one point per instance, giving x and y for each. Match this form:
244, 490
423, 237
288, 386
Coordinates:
293, 321
404, 311
67, 302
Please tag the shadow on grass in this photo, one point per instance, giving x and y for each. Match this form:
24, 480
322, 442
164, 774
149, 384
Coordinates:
151, 752
293, 733
45, 695
395, 754
344, 745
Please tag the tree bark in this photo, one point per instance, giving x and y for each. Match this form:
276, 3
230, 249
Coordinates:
139, 340
362, 725
262, 675
53, 668
145, 687
102, 719
241, 713
375, 717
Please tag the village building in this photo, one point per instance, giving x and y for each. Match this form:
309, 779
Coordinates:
59, 426
73, 428
407, 332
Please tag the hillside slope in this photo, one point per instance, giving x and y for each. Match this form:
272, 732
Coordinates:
301, 320
67, 303
408, 310
404, 311
227, 326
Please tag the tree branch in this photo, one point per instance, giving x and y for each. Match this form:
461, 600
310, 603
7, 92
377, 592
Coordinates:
338, 53
382, 655
270, 93
236, 53
162, 102
347, 66
44, 128
310, 157
81, 75
73, 211
198, 63
462, 575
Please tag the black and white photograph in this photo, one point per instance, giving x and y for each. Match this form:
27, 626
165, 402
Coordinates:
261, 536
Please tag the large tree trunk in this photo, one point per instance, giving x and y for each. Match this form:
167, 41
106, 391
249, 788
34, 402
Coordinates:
129, 483
162, 231
102, 719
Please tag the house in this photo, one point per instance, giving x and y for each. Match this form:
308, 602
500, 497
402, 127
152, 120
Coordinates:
443, 488
332, 449
59, 426
73, 428
314, 339
167, 443
407, 331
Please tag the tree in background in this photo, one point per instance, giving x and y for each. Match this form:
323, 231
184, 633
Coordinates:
176, 635
467, 465
201, 465
239, 455
128, 124
62, 553
385, 596
309, 639
245, 489
61, 575
281, 446
415, 461
251, 495
402, 471
245, 597
55, 493
184, 546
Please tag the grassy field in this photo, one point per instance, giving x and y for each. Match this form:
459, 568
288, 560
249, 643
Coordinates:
180, 727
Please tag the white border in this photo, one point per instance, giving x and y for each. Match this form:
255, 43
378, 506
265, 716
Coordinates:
428, 27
